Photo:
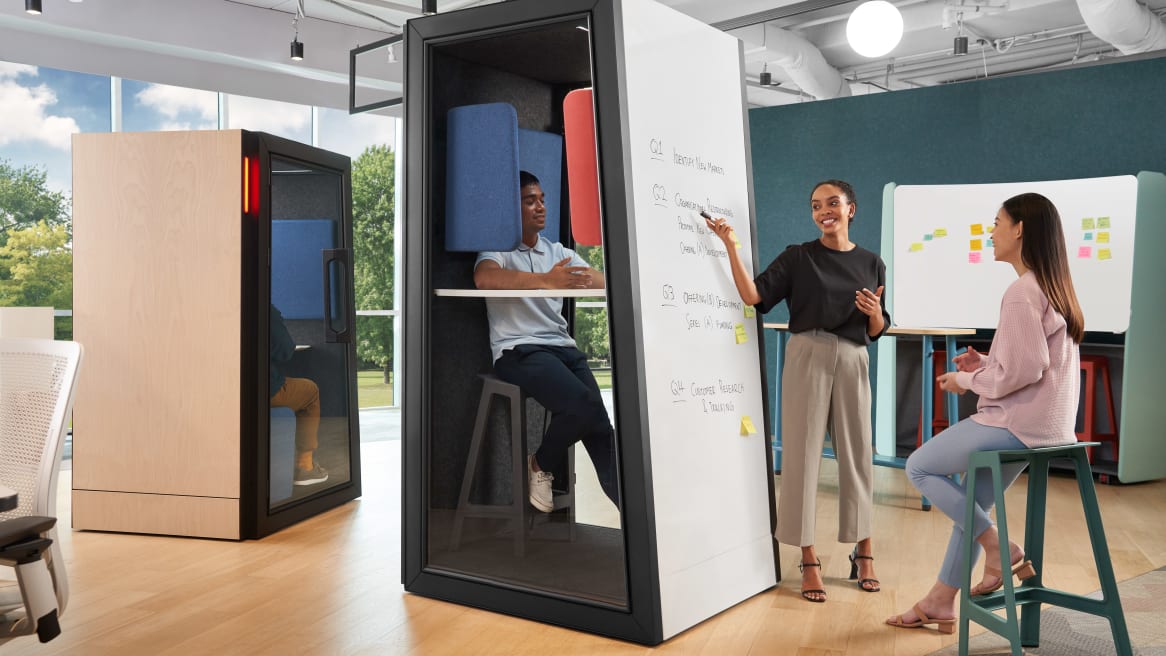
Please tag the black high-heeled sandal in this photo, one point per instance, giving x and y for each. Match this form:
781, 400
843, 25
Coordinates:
863, 584
806, 593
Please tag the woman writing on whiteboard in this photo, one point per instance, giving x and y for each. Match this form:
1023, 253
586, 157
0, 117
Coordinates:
834, 314
1028, 385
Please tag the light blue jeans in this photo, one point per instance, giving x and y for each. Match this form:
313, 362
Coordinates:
930, 468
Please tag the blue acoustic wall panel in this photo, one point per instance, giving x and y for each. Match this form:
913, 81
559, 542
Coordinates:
482, 207
541, 153
297, 271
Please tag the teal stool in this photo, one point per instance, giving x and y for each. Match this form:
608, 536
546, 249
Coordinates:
1031, 594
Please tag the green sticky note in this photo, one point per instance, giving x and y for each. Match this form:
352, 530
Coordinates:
941, 232
926, 237
1103, 222
750, 312
1087, 224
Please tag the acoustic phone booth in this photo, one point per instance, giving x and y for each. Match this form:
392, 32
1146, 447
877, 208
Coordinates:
581, 94
212, 270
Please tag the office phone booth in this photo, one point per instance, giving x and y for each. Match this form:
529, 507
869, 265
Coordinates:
497, 89
191, 251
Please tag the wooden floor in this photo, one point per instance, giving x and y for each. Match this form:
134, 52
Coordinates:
331, 585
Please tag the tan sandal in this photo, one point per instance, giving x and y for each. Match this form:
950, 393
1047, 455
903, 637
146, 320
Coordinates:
943, 626
1022, 570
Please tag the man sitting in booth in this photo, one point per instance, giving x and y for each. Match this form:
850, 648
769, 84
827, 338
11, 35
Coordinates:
533, 350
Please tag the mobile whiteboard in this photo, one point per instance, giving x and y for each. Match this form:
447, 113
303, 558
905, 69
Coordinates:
945, 274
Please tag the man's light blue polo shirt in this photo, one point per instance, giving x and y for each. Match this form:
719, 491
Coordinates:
515, 321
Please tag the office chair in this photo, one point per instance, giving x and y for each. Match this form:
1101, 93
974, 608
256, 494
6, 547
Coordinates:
37, 378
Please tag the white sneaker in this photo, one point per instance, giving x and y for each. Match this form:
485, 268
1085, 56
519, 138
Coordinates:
541, 496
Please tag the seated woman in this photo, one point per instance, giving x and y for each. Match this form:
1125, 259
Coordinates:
1028, 386
301, 395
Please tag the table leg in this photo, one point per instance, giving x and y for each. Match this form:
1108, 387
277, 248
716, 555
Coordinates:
928, 377
779, 359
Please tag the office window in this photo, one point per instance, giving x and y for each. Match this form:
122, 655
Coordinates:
147, 107
271, 116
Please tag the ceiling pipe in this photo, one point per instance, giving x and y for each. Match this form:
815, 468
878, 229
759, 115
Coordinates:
801, 60
1129, 26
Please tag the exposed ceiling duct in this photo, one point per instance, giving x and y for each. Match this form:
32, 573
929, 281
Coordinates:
1129, 26
801, 60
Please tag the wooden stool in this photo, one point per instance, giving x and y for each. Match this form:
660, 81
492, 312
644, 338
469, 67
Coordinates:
517, 511
1032, 593
1096, 370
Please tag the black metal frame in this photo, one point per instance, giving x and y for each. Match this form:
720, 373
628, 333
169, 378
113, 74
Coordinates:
352, 106
256, 517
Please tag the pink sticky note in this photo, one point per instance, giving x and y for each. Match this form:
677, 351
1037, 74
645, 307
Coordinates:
974, 257
1085, 251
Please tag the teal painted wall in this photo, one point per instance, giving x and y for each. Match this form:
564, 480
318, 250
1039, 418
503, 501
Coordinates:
1079, 123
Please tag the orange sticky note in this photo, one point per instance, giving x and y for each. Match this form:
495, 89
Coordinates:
977, 228
976, 245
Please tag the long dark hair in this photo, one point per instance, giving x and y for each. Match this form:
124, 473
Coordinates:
1042, 250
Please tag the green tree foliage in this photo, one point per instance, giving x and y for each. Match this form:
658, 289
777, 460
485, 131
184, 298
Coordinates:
36, 257
26, 200
591, 323
372, 236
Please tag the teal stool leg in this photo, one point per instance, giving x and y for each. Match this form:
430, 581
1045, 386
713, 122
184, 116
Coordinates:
966, 579
1110, 600
1034, 544
1011, 629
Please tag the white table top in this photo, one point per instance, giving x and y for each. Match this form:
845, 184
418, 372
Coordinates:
901, 330
8, 499
522, 293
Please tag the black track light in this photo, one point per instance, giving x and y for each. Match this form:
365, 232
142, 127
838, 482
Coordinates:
297, 49
32, 6
960, 47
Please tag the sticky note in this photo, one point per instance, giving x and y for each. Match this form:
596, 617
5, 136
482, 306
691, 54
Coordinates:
747, 427
991, 229
1103, 222
742, 336
988, 244
977, 228
916, 247
941, 232
1085, 251
926, 237
1103, 237
736, 242
750, 312
974, 257
1089, 236
1087, 224
1103, 254
976, 245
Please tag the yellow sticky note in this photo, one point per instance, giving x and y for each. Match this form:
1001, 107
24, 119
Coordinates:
916, 247
742, 336
940, 232
736, 242
976, 245
1087, 224
747, 427
750, 312
1103, 237
1103, 254
1103, 222
977, 228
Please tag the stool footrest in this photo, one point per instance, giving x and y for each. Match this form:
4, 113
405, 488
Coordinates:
1032, 595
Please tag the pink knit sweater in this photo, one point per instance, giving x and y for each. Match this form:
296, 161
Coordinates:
1030, 380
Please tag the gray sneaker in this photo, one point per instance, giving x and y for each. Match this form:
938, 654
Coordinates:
541, 496
316, 474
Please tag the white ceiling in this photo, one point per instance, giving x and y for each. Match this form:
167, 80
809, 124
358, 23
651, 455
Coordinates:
241, 46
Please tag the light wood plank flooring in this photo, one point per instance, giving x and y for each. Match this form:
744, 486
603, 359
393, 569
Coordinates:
331, 585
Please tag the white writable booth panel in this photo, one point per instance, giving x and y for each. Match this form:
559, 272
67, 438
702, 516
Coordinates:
944, 271
702, 373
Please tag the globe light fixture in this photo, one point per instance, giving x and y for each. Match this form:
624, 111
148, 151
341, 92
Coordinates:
874, 28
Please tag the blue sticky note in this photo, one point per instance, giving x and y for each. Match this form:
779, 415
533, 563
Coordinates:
1089, 236
927, 237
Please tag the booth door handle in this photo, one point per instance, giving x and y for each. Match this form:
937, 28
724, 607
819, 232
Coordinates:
337, 328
